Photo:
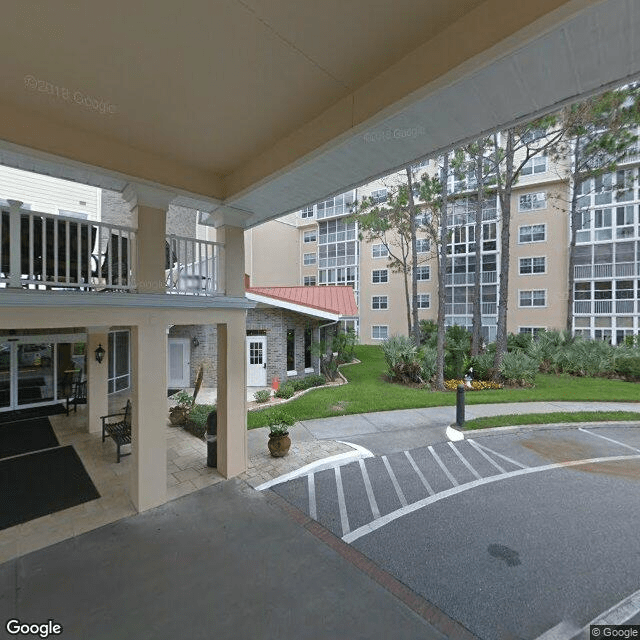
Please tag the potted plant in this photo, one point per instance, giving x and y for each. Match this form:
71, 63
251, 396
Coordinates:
279, 424
179, 413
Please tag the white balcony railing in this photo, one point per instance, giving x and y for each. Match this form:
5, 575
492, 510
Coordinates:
48, 251
194, 266
488, 277
595, 271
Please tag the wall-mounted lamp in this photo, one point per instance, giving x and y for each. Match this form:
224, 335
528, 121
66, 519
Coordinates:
100, 353
195, 342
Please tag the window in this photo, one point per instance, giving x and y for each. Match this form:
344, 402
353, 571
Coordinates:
291, 350
309, 281
530, 266
535, 165
307, 212
424, 300
423, 273
379, 251
310, 236
532, 233
423, 245
378, 276
532, 201
533, 298
379, 302
338, 206
118, 377
379, 332
309, 258
533, 331
308, 339
379, 195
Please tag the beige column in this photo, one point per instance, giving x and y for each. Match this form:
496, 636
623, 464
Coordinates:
149, 417
97, 374
149, 205
233, 261
231, 399
150, 274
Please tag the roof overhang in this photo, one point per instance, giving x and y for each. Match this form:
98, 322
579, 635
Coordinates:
263, 115
292, 306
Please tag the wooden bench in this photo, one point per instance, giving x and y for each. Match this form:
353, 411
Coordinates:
119, 430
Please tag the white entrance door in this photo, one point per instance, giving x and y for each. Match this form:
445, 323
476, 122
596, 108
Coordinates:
256, 361
178, 362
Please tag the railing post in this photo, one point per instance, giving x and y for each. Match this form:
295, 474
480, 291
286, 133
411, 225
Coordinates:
15, 250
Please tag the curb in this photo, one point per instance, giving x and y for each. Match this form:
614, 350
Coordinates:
457, 434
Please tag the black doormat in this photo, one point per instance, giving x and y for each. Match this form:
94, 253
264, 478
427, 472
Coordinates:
26, 435
33, 412
36, 484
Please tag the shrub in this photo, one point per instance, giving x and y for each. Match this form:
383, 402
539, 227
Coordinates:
183, 400
262, 395
403, 359
428, 332
585, 358
457, 346
428, 358
628, 367
483, 366
285, 391
520, 341
518, 368
315, 380
197, 422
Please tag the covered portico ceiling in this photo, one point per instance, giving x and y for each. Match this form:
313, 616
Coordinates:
268, 105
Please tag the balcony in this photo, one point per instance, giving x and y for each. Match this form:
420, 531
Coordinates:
47, 252
596, 271
466, 309
488, 277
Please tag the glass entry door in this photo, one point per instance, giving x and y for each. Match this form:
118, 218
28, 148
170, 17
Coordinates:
38, 370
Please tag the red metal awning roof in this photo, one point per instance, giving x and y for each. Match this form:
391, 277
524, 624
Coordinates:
337, 299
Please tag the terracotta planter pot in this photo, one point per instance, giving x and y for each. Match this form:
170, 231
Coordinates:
279, 445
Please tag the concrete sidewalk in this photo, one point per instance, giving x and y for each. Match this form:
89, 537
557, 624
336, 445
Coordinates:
411, 428
225, 562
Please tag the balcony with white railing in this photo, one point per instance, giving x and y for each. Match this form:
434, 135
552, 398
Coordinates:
43, 251
488, 277
596, 271
48, 252
194, 266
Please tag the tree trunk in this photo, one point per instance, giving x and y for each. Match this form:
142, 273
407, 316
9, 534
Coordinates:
504, 191
476, 322
413, 260
407, 300
442, 266
574, 220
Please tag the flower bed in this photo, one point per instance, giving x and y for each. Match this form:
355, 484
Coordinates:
476, 385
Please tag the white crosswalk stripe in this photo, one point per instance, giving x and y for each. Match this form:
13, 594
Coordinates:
344, 520
412, 462
394, 481
474, 444
465, 462
506, 458
369, 489
311, 482
447, 473
598, 435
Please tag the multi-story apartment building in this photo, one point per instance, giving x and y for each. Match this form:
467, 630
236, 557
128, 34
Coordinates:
330, 250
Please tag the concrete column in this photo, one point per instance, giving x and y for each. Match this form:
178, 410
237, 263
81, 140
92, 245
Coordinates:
232, 395
97, 375
149, 416
151, 254
149, 205
233, 262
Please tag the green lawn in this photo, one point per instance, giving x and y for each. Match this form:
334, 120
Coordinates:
368, 391
550, 418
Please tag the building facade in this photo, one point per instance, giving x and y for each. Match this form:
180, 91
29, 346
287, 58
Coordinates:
331, 250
